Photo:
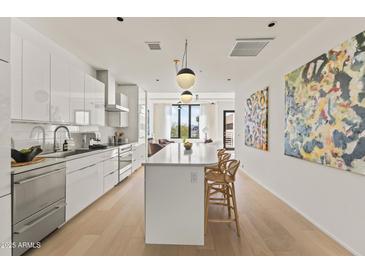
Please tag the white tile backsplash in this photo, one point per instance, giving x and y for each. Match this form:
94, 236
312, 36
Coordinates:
31, 134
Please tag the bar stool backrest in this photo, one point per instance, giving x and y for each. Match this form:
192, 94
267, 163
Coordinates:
220, 151
222, 159
230, 168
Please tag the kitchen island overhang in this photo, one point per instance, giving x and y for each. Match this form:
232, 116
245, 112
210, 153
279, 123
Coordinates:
174, 194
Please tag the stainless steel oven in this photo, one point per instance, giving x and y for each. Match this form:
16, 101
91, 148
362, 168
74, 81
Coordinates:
38, 205
125, 161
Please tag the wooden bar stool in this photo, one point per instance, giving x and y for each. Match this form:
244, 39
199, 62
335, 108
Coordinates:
222, 182
222, 156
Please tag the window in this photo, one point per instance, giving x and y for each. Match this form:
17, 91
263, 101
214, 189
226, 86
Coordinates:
185, 121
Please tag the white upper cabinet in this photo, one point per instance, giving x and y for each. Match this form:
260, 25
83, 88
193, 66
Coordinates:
5, 39
89, 102
16, 76
77, 96
36, 82
99, 89
95, 100
60, 90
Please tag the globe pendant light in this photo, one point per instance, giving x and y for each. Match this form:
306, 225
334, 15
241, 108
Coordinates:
186, 97
185, 77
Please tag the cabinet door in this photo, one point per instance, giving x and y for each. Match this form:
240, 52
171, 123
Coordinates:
16, 76
77, 96
141, 116
5, 39
36, 82
110, 180
5, 224
4, 129
89, 100
83, 187
60, 90
99, 103
94, 100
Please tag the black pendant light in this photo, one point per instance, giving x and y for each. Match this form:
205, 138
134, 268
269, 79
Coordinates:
185, 77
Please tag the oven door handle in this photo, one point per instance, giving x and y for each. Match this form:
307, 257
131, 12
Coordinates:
40, 219
38, 177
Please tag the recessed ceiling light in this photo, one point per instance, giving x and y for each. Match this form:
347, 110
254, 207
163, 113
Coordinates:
120, 19
272, 24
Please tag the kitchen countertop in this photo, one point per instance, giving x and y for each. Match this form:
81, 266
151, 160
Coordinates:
46, 162
175, 154
52, 161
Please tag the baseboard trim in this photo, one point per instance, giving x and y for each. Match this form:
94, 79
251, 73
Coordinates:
329, 234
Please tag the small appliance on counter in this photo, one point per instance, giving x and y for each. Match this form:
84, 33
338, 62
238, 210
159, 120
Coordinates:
98, 146
118, 138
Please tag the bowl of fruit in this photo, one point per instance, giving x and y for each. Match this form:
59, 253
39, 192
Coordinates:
25, 154
187, 145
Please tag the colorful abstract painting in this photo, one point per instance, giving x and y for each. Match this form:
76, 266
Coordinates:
325, 108
256, 117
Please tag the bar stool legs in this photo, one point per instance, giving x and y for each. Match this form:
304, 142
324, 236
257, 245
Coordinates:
228, 200
235, 208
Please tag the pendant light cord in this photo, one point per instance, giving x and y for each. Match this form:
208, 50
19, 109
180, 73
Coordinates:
186, 50
185, 56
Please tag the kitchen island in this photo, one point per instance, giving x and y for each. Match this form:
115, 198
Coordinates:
174, 194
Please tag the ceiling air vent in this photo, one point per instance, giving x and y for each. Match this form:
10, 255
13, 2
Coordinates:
249, 47
154, 45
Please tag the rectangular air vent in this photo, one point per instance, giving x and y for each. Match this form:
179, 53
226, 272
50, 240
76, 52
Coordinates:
154, 45
249, 47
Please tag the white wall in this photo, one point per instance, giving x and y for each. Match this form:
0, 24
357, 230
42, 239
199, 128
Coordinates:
332, 199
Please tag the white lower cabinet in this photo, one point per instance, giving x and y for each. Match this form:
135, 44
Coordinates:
111, 173
138, 156
83, 187
5, 225
110, 180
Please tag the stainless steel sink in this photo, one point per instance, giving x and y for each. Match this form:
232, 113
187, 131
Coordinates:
64, 154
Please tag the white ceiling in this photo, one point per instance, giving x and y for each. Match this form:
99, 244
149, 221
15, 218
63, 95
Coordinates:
106, 43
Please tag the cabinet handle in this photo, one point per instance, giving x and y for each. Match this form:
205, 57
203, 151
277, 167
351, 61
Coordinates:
40, 219
38, 177
86, 167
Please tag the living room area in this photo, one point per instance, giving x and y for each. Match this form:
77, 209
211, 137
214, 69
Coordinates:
207, 117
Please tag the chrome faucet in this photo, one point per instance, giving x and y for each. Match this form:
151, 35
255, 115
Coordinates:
55, 133
43, 134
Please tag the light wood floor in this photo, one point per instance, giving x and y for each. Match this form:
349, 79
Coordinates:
113, 225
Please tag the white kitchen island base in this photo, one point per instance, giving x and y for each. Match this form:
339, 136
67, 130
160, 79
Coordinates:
174, 194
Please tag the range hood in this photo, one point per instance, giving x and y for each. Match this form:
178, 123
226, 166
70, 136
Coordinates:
111, 104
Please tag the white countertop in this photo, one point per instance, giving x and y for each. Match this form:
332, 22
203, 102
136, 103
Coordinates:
52, 161
46, 162
175, 154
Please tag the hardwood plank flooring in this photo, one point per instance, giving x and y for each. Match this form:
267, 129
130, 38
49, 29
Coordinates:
114, 225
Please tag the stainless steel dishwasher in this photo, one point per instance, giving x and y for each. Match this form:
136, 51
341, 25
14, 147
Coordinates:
38, 205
